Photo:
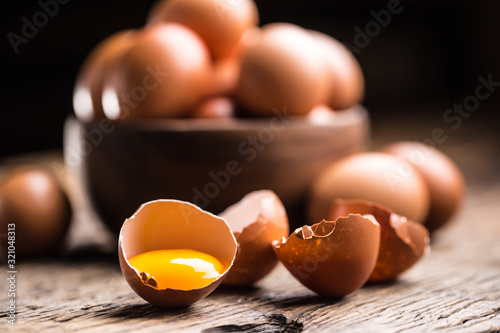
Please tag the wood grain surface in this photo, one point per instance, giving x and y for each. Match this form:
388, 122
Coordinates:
456, 287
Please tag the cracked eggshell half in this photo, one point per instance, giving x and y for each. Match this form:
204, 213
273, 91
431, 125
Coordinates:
402, 242
257, 220
332, 258
172, 224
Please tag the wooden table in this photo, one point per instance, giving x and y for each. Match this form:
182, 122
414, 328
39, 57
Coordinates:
457, 286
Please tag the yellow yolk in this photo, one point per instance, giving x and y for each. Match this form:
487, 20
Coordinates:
179, 269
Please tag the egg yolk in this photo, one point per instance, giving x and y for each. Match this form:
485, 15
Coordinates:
181, 269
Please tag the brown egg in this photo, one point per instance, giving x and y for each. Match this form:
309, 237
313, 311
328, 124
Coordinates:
224, 77
87, 94
284, 68
36, 209
226, 70
214, 107
257, 220
402, 241
173, 225
444, 179
219, 23
347, 83
163, 74
332, 258
248, 39
378, 177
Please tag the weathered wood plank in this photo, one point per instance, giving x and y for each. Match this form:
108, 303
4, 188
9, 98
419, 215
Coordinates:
457, 286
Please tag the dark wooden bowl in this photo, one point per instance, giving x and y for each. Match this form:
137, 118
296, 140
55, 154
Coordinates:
212, 163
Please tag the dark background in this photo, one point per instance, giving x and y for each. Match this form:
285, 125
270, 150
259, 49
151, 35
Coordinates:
427, 58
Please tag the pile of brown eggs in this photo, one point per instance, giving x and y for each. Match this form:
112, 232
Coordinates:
208, 59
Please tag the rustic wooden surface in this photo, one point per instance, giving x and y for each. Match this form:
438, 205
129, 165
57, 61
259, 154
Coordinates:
457, 286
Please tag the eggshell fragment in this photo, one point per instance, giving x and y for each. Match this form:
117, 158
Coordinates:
378, 177
445, 181
284, 68
402, 241
162, 75
36, 208
172, 224
257, 220
332, 258
219, 23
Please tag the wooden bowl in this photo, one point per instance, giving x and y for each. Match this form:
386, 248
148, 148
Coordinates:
212, 163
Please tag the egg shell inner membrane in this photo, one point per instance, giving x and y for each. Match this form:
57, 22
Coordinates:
248, 210
170, 225
413, 234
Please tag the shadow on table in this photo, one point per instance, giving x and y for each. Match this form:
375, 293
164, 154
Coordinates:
263, 295
227, 290
383, 284
90, 254
310, 300
395, 285
144, 311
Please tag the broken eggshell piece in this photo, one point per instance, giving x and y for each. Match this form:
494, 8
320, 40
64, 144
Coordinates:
172, 224
257, 220
402, 241
332, 258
